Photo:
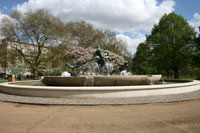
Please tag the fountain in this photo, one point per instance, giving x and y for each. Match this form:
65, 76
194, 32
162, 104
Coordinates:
96, 79
99, 72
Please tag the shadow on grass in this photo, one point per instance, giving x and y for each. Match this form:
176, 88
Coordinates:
3, 80
6, 80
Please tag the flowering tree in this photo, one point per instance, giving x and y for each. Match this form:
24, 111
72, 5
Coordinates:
1, 69
54, 71
78, 55
19, 68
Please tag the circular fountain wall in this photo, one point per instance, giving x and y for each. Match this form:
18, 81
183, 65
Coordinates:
100, 80
123, 91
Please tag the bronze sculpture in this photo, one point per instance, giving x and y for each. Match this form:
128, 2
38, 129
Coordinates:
103, 61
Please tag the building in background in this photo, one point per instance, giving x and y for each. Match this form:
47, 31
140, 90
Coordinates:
8, 55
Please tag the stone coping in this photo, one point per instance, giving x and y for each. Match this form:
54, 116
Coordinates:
175, 92
100, 101
96, 88
100, 80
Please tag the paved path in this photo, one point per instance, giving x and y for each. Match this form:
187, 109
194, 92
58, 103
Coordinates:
100, 101
175, 117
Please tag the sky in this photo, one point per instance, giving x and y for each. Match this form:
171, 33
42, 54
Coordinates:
131, 20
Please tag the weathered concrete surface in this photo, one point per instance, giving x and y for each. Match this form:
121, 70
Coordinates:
64, 81
99, 91
178, 117
100, 80
121, 80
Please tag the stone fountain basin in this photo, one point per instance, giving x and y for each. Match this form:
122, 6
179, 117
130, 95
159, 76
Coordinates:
25, 89
100, 80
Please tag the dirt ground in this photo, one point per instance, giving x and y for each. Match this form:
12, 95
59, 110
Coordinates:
174, 117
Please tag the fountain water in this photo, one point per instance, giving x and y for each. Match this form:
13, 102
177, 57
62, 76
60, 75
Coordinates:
66, 74
163, 81
151, 80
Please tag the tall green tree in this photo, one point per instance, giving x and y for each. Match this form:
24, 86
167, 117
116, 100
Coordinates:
197, 52
172, 41
112, 43
41, 39
37, 28
142, 60
85, 35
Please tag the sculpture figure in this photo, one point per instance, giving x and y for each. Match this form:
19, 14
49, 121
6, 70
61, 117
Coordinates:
100, 55
122, 67
99, 64
73, 69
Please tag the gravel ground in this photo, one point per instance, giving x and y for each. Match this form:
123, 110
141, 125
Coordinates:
174, 117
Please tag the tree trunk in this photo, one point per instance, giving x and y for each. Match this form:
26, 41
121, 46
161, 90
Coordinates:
176, 73
168, 75
35, 73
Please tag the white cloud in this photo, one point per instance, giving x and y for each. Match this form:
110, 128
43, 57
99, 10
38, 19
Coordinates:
132, 42
2, 15
195, 21
118, 15
133, 16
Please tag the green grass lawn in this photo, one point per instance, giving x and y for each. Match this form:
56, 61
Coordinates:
3, 80
188, 77
183, 77
6, 80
